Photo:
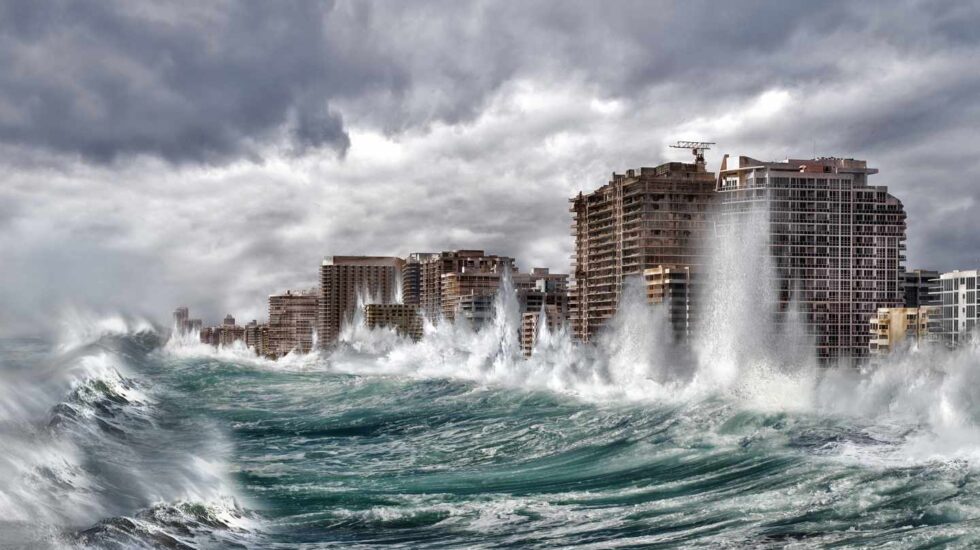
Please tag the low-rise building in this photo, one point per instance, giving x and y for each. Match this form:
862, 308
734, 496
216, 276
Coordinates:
403, 318
893, 327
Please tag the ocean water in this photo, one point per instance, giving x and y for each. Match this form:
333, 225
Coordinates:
114, 435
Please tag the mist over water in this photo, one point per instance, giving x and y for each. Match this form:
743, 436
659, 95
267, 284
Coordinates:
112, 438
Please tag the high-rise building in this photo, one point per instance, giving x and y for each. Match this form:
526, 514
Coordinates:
920, 287
403, 318
958, 296
256, 338
640, 219
837, 243
292, 322
343, 279
229, 321
676, 289
412, 277
435, 267
891, 327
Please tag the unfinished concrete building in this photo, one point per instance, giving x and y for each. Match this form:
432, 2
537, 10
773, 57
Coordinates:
541, 287
837, 243
292, 322
403, 318
640, 219
343, 279
675, 287
435, 267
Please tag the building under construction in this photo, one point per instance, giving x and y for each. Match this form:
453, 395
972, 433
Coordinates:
641, 219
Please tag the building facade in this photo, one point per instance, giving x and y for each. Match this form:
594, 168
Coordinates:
403, 318
675, 288
412, 277
531, 325
893, 327
640, 219
343, 279
435, 267
458, 289
837, 243
957, 291
292, 322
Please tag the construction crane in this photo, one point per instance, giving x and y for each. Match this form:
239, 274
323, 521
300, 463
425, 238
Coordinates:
697, 148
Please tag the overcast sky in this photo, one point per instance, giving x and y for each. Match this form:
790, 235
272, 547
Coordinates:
211, 153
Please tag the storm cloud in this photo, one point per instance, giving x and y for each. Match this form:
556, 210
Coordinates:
212, 153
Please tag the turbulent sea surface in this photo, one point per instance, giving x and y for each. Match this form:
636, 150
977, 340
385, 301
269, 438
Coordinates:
115, 438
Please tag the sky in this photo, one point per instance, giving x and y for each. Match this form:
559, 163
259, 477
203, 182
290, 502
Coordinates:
209, 154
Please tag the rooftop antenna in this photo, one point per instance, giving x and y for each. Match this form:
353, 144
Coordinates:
697, 148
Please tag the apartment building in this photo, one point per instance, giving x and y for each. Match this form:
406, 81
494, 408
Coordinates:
837, 242
542, 287
292, 322
434, 267
531, 323
640, 219
958, 297
343, 279
674, 287
460, 289
403, 318
894, 327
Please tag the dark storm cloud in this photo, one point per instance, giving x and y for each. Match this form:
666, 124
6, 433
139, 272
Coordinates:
187, 147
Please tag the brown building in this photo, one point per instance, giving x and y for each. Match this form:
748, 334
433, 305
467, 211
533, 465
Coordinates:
342, 280
470, 283
640, 219
404, 318
257, 338
837, 243
433, 270
412, 277
541, 287
292, 322
531, 322
674, 287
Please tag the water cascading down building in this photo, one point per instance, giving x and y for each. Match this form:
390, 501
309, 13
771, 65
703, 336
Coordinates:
642, 219
837, 243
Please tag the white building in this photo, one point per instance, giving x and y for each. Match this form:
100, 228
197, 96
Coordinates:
958, 292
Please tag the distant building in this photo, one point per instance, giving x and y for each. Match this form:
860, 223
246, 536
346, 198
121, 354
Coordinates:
343, 279
531, 325
194, 326
640, 219
676, 289
837, 243
957, 291
292, 322
229, 321
460, 289
181, 315
541, 287
920, 287
403, 318
412, 277
892, 327
433, 269
230, 334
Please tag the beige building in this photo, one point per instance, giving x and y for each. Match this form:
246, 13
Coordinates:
836, 242
292, 322
891, 327
460, 289
675, 288
434, 267
412, 277
531, 321
640, 219
343, 279
404, 318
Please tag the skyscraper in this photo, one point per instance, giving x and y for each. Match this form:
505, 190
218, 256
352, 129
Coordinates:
343, 279
412, 277
957, 291
640, 219
837, 243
